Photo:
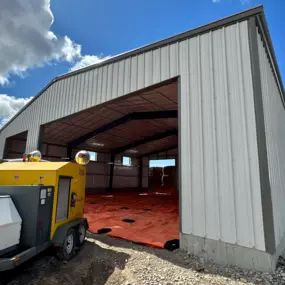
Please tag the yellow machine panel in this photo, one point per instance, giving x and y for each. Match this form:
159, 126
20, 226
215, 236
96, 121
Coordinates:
68, 178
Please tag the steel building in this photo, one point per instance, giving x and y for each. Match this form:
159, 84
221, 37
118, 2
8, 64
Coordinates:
213, 98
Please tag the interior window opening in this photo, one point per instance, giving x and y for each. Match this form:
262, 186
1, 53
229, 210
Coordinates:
162, 162
93, 155
126, 161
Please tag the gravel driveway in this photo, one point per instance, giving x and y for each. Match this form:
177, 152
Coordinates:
104, 260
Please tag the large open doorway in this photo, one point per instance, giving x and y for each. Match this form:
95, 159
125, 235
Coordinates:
123, 136
15, 146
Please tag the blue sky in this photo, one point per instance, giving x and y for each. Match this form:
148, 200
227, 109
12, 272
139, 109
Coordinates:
162, 162
84, 31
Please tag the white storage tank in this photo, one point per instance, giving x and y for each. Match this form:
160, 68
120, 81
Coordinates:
10, 224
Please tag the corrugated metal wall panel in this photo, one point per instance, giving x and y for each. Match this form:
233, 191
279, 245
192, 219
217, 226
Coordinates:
156, 70
121, 75
115, 78
274, 115
148, 68
251, 152
134, 73
219, 162
186, 142
239, 137
127, 76
93, 86
226, 202
110, 69
209, 139
174, 60
165, 72
32, 139
88, 83
83, 89
140, 72
104, 84
196, 135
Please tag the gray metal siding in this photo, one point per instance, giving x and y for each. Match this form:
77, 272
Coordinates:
219, 160
274, 115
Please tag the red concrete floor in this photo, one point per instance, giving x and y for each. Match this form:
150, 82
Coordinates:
152, 217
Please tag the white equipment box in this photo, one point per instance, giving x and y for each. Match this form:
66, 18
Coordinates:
10, 224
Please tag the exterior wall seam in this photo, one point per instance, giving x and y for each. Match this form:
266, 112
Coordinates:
231, 147
245, 119
267, 211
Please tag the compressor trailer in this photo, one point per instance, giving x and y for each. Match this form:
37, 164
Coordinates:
41, 205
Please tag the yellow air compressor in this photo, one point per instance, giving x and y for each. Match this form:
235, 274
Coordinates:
45, 203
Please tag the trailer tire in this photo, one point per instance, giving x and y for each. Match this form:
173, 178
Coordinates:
67, 250
81, 234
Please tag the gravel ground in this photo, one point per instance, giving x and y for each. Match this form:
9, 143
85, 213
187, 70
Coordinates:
104, 260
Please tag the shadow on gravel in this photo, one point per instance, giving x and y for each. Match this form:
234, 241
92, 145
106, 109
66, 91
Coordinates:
91, 265
191, 262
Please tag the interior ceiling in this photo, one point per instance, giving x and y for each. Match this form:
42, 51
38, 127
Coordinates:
134, 134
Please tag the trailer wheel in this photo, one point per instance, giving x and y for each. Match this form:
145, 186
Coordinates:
81, 234
67, 249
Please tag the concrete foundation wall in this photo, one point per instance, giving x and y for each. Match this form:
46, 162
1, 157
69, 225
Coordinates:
228, 254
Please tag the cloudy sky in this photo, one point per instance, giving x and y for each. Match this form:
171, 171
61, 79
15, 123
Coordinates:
41, 39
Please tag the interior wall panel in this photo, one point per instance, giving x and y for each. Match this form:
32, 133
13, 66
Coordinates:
15, 148
145, 172
274, 115
126, 176
98, 172
53, 152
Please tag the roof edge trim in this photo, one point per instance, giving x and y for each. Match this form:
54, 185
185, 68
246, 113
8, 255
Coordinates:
229, 20
265, 35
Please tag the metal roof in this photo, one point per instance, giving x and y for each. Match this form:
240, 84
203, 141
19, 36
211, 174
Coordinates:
256, 11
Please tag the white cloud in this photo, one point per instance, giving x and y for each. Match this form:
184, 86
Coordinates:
9, 106
216, 1
87, 60
26, 40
